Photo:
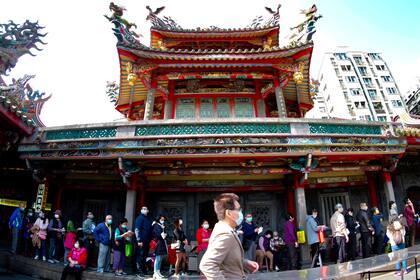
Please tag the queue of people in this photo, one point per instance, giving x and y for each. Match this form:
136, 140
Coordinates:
150, 241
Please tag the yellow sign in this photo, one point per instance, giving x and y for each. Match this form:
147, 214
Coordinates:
11, 202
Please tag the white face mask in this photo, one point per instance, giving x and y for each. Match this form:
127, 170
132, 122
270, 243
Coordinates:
144, 211
162, 222
180, 222
206, 226
56, 216
76, 245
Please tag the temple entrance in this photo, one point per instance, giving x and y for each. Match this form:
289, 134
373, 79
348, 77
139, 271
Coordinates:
206, 212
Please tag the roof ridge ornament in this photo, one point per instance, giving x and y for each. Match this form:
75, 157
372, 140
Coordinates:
303, 32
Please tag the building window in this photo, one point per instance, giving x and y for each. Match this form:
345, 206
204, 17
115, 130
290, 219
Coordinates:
351, 79
343, 86
360, 104
386, 78
346, 68
355, 91
382, 118
380, 67
378, 107
322, 109
206, 108
363, 71
337, 72
368, 117
391, 90
373, 94
244, 108
341, 56
374, 56
358, 59
396, 103
368, 82
185, 108
223, 108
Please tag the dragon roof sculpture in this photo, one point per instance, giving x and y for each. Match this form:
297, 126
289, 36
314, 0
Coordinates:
18, 99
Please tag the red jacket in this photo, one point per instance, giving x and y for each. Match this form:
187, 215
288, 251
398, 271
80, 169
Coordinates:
202, 234
79, 255
409, 215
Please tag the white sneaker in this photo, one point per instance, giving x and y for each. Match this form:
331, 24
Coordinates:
36, 257
51, 261
44, 259
158, 276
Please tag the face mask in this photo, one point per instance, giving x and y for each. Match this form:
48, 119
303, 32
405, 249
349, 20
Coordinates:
124, 226
180, 222
30, 214
394, 206
56, 216
314, 215
76, 245
206, 226
41, 215
90, 217
268, 236
249, 219
240, 218
109, 222
162, 222
144, 211
276, 237
22, 209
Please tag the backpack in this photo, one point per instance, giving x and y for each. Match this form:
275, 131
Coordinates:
397, 236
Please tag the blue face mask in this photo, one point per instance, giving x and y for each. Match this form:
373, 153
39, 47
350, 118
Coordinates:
240, 218
123, 226
109, 222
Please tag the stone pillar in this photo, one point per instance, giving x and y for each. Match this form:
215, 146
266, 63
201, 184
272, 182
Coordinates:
281, 105
168, 110
300, 201
150, 102
130, 200
372, 190
389, 189
291, 204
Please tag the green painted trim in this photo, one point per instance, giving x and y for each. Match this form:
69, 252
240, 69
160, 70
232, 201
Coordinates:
81, 134
188, 129
344, 129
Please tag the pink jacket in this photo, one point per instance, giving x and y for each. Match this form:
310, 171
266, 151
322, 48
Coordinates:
69, 240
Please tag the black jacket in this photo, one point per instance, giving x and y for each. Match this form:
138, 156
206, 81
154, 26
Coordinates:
161, 248
180, 235
364, 221
351, 224
143, 228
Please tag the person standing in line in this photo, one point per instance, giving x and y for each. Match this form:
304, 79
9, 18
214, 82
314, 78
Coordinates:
87, 227
56, 232
276, 244
41, 224
76, 261
290, 238
396, 234
339, 232
352, 226
143, 231
264, 250
411, 218
159, 235
366, 230
28, 223
378, 242
69, 240
393, 211
15, 224
203, 236
121, 236
181, 239
224, 258
249, 237
312, 229
103, 234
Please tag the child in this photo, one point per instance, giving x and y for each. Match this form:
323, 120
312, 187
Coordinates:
396, 233
121, 237
69, 240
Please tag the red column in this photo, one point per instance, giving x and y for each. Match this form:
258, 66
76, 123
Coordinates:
372, 190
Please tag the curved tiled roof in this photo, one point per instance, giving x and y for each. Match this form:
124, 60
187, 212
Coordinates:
214, 29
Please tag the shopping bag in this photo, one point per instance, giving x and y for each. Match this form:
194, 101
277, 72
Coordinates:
128, 250
301, 236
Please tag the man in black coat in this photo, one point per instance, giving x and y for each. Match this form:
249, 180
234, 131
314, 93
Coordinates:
352, 226
143, 231
366, 230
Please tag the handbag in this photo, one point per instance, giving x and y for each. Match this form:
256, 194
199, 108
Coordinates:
175, 245
152, 245
301, 236
128, 250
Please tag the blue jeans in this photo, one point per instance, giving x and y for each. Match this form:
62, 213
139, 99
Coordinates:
404, 262
103, 257
15, 239
40, 252
158, 262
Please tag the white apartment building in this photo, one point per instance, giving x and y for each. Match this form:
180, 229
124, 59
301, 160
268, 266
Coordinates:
412, 100
356, 85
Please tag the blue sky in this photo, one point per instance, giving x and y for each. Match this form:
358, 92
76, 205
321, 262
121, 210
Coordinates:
81, 55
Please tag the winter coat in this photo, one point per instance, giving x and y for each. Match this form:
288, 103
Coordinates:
79, 255
312, 230
377, 224
364, 221
351, 224
54, 225
143, 228
16, 219
179, 236
102, 234
161, 247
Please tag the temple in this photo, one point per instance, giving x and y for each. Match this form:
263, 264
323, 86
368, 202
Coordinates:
214, 110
